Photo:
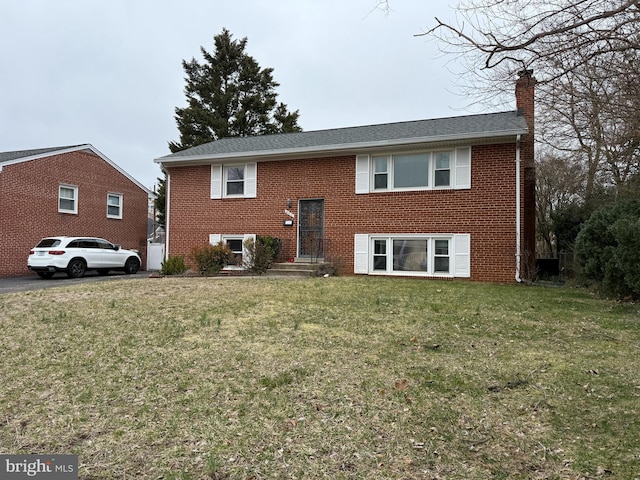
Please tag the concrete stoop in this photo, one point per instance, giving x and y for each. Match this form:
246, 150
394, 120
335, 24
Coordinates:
292, 269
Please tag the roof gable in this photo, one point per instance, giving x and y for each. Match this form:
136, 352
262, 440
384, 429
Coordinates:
356, 138
10, 158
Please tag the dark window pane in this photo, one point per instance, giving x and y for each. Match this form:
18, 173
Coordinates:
235, 173
442, 247
441, 264
379, 262
380, 180
235, 245
235, 188
442, 178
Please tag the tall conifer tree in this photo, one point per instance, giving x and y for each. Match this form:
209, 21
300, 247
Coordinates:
229, 95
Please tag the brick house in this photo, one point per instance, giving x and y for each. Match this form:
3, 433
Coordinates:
445, 198
70, 191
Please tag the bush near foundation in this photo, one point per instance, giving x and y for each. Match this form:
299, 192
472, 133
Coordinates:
210, 259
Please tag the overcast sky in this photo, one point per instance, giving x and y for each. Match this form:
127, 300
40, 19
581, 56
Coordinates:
109, 73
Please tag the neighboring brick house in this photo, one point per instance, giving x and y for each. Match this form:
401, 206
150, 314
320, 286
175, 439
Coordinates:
431, 198
74, 191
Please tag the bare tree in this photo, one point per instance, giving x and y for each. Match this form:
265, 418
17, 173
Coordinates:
554, 37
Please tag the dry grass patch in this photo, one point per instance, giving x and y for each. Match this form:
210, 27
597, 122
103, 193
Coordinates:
322, 378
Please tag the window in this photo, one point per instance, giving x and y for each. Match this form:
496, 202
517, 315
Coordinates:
380, 255
114, 205
411, 171
235, 245
234, 181
440, 169
380, 172
68, 199
410, 255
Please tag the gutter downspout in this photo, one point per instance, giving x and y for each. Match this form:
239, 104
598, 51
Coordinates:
518, 233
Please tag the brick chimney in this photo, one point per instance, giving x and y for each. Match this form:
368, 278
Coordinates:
525, 104
525, 96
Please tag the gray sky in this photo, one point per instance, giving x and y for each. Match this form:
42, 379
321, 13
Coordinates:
109, 73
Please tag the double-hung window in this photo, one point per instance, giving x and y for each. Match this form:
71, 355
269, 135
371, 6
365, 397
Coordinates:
233, 181
68, 199
235, 244
114, 205
380, 173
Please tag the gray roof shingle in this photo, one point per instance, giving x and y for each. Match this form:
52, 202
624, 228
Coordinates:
9, 156
352, 138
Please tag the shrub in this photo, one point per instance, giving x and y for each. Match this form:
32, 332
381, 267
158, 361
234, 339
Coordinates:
210, 259
260, 253
608, 249
173, 266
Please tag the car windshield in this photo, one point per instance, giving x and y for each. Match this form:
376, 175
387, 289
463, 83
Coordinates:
48, 243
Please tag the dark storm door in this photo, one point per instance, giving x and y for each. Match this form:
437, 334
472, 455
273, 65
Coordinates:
311, 229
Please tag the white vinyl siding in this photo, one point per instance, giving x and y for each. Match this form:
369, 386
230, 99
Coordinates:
423, 255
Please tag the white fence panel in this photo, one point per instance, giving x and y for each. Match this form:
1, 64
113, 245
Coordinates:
155, 256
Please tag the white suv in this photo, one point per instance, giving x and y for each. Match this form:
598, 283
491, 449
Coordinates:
76, 255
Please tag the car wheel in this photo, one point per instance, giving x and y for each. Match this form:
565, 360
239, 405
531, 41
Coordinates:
45, 274
76, 268
132, 266
103, 271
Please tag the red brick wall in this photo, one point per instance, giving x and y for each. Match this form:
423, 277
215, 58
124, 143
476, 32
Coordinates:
486, 211
29, 206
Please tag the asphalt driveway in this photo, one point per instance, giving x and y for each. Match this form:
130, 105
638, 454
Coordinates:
33, 282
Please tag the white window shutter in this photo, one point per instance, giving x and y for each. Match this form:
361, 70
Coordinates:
245, 254
463, 168
216, 181
250, 175
361, 253
362, 174
462, 255
214, 238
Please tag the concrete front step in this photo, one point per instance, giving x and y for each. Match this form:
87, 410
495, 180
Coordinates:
296, 269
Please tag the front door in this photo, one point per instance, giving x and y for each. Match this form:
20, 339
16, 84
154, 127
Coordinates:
311, 229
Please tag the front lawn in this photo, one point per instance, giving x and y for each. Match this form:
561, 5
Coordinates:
337, 378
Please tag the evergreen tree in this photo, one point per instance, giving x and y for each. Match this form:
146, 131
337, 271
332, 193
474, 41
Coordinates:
229, 95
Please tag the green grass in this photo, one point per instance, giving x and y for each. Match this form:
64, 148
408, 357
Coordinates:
340, 378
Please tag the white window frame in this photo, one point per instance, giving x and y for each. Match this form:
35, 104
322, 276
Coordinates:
219, 180
226, 239
458, 253
459, 171
118, 196
215, 238
73, 188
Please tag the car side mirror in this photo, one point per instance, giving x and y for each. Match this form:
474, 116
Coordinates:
116, 247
